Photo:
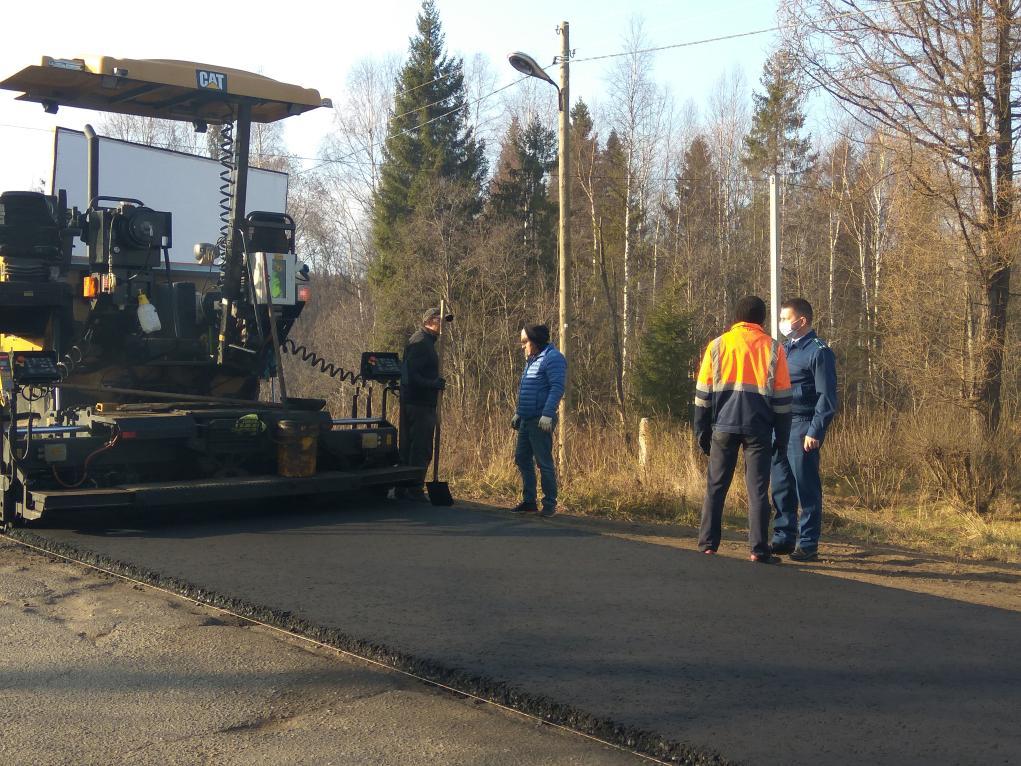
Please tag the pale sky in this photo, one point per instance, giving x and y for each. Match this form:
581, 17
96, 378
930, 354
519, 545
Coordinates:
314, 44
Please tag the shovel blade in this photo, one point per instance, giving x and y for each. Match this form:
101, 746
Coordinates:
439, 493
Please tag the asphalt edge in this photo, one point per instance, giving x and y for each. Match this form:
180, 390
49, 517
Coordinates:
500, 692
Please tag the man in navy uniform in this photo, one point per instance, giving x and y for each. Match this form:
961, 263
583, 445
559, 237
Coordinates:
795, 472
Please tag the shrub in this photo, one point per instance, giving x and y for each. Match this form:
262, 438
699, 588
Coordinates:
863, 455
969, 469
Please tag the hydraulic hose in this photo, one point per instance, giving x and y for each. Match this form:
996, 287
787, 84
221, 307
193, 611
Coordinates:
317, 362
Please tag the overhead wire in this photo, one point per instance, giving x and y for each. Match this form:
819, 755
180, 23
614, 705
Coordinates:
321, 161
739, 35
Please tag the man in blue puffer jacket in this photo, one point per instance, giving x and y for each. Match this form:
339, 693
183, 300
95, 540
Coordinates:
539, 394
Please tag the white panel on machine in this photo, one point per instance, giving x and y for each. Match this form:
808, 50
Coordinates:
186, 185
282, 277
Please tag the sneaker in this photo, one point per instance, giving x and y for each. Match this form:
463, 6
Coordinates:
781, 550
547, 511
525, 508
709, 552
416, 496
764, 558
801, 555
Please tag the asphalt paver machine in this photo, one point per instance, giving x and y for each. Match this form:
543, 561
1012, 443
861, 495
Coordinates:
125, 385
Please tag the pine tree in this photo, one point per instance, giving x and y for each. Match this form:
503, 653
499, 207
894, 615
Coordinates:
428, 140
666, 351
774, 145
698, 201
519, 193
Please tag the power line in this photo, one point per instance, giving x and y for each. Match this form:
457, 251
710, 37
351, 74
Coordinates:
340, 160
422, 85
739, 35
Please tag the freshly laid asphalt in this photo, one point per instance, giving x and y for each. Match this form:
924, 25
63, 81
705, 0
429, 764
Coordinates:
762, 664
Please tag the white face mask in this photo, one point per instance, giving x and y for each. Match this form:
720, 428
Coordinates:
785, 329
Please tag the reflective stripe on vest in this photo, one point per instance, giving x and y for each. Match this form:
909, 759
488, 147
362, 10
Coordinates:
714, 352
774, 357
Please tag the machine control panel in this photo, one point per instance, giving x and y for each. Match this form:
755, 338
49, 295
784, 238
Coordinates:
381, 366
32, 368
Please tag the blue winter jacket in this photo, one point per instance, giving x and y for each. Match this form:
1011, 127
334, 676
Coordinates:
542, 384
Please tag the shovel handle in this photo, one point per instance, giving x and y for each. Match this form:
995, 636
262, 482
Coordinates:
439, 395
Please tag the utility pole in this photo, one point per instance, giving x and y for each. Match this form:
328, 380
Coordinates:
528, 66
564, 182
774, 260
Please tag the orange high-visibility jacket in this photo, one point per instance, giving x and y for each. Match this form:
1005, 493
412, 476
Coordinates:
744, 386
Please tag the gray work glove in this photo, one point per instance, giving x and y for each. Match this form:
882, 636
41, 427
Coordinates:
516, 422
546, 423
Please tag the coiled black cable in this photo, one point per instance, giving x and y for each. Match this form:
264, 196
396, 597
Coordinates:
74, 356
314, 360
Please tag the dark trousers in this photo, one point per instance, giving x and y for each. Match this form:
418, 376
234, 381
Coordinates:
796, 482
535, 447
418, 424
722, 461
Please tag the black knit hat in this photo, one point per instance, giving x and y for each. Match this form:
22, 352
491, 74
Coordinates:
537, 333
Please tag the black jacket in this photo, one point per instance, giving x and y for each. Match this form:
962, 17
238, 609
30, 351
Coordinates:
420, 370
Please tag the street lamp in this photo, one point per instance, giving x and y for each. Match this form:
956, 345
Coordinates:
528, 66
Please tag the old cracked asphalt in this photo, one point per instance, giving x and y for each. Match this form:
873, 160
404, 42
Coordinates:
770, 665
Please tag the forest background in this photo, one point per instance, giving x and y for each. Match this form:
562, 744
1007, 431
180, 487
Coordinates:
899, 225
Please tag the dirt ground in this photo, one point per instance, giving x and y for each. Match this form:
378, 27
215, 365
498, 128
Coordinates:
94, 670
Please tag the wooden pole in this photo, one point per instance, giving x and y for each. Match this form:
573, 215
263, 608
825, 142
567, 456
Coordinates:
643, 445
564, 184
774, 260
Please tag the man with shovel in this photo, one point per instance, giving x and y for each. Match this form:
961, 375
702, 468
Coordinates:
542, 386
420, 387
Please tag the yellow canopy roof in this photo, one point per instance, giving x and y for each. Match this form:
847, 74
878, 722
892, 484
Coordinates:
172, 90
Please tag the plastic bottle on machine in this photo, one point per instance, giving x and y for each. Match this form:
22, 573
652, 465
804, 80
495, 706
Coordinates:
147, 316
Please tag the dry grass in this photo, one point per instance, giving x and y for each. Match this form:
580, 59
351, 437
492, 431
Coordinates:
871, 498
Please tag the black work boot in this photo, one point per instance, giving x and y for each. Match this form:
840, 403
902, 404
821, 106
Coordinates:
802, 555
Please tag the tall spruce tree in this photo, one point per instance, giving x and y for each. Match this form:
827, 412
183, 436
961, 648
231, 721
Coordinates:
429, 142
775, 143
519, 192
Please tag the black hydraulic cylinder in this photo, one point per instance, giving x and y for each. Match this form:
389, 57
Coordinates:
235, 248
92, 177
232, 269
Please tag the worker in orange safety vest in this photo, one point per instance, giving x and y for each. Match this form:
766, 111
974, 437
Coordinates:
742, 399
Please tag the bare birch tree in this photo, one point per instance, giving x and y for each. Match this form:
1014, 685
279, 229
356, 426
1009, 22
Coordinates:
940, 74
150, 131
637, 113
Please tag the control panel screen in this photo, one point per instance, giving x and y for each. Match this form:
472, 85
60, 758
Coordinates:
381, 366
34, 367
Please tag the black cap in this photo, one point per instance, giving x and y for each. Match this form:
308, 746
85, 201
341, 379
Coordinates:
434, 313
